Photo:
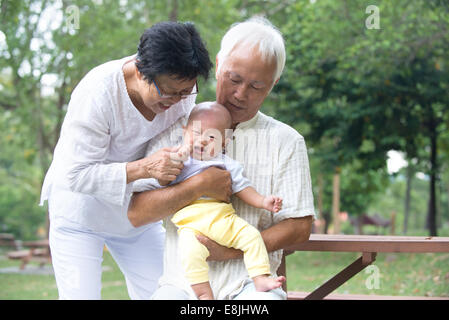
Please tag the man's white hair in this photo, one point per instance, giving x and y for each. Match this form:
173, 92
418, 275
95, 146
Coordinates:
257, 31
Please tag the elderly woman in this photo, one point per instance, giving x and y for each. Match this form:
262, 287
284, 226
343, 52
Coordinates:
115, 110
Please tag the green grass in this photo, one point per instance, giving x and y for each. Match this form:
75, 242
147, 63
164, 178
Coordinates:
43, 287
400, 275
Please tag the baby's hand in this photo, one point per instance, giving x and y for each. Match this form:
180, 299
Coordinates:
181, 153
272, 203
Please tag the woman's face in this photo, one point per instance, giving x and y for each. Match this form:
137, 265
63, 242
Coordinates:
168, 86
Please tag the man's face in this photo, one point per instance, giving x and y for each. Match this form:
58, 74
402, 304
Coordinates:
243, 82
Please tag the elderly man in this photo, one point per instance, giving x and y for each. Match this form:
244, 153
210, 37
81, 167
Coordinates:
249, 64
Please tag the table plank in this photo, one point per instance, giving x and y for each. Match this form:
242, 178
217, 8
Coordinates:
36, 244
366, 243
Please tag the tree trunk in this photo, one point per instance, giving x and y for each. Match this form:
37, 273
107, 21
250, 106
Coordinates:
336, 201
320, 199
327, 220
410, 172
447, 186
432, 213
174, 11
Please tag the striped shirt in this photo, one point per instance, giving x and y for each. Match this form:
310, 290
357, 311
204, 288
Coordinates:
274, 157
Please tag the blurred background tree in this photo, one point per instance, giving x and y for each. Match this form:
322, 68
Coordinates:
354, 93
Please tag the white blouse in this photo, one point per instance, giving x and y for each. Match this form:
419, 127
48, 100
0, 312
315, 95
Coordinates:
101, 132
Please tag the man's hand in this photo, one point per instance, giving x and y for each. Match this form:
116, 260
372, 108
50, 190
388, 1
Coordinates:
215, 183
218, 252
151, 206
278, 236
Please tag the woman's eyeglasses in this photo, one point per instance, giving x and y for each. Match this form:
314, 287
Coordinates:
176, 95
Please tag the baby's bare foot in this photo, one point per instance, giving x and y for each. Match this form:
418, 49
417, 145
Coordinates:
265, 283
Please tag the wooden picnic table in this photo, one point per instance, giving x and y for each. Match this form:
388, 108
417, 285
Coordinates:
39, 250
8, 240
368, 246
37, 244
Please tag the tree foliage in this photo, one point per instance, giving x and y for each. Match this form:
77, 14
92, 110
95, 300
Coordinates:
354, 93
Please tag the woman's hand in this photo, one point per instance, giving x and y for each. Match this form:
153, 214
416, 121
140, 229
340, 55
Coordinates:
165, 164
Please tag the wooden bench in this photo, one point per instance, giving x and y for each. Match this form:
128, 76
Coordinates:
368, 246
8, 240
38, 251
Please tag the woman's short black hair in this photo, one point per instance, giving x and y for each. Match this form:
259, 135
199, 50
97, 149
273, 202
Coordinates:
174, 49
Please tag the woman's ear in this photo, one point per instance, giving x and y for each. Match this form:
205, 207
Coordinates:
139, 75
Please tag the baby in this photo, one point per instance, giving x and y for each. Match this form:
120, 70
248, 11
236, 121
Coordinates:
204, 140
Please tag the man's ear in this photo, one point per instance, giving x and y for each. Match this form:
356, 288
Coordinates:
273, 85
216, 67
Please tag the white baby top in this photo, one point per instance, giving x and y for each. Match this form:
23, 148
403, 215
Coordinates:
102, 131
193, 166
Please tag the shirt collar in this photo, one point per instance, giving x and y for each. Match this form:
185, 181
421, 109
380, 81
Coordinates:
249, 123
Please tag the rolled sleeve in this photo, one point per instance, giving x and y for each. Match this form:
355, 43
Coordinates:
293, 182
142, 185
87, 134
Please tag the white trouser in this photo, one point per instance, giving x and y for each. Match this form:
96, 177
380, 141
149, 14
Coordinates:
77, 255
248, 292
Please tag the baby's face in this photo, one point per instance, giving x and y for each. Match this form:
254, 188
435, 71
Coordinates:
206, 137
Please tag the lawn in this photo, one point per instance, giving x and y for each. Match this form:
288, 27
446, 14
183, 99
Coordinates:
399, 274
36, 287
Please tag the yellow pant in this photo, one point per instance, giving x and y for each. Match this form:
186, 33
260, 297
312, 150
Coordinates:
217, 221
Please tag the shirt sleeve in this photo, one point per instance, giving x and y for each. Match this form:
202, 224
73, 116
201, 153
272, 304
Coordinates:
145, 185
239, 180
293, 183
86, 139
